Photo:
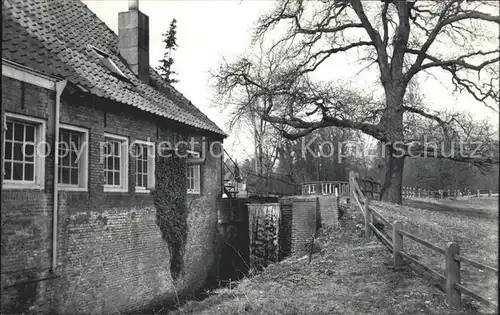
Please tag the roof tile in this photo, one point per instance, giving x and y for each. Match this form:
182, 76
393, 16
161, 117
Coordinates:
60, 31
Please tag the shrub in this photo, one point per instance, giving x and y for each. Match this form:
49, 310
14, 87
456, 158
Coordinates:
171, 209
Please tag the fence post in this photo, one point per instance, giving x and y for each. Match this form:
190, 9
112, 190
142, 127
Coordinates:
468, 192
368, 230
477, 193
489, 193
441, 193
397, 243
452, 275
448, 192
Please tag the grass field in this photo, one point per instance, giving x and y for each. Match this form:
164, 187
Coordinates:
471, 223
352, 275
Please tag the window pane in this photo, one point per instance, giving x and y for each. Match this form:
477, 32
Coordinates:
117, 178
65, 139
18, 151
8, 150
18, 132
65, 160
8, 134
74, 176
8, 170
63, 149
18, 171
73, 158
109, 178
116, 149
29, 152
29, 171
139, 181
145, 180
65, 175
30, 133
75, 141
139, 166
145, 167
109, 163
116, 163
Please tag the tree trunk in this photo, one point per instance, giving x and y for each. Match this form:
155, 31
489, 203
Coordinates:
390, 190
392, 124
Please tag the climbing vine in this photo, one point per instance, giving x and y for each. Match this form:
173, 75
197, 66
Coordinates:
171, 209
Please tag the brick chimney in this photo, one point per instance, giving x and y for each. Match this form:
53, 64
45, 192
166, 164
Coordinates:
133, 39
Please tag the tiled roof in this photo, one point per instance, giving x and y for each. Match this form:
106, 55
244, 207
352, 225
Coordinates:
53, 36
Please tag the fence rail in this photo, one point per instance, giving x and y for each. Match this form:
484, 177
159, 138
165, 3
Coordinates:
326, 188
476, 264
410, 192
380, 216
478, 297
429, 269
452, 256
423, 242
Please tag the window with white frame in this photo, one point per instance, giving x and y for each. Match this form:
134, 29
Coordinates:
193, 175
115, 155
144, 165
24, 152
73, 158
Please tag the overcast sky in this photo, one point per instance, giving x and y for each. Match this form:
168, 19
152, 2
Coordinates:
208, 30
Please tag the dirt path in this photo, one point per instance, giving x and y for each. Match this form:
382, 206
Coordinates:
350, 276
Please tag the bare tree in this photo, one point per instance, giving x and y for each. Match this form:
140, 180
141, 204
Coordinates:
402, 39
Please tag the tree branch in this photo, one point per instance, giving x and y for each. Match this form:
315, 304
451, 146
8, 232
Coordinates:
298, 123
442, 22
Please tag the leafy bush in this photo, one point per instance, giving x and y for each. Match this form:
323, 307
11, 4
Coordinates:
171, 209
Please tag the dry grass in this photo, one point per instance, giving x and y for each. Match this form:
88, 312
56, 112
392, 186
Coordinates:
349, 276
471, 223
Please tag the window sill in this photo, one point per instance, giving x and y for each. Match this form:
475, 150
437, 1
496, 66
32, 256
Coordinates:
193, 193
27, 186
72, 188
142, 191
115, 189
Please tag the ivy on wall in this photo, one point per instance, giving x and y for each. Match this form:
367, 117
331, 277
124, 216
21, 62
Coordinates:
171, 209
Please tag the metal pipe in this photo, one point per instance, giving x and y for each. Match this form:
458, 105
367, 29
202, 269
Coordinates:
59, 87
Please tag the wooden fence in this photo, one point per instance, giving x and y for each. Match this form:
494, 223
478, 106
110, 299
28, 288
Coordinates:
409, 192
394, 243
325, 188
270, 185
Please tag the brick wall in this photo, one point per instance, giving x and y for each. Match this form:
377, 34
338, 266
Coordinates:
328, 206
304, 225
286, 229
111, 257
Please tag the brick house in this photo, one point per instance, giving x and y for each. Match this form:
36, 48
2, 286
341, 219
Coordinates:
66, 77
